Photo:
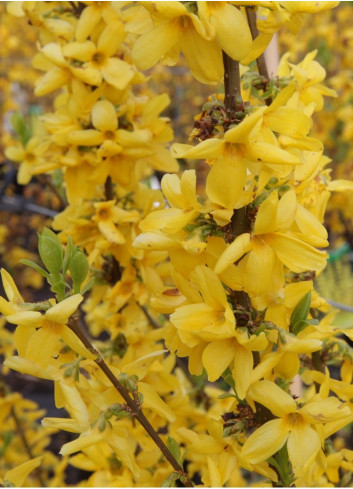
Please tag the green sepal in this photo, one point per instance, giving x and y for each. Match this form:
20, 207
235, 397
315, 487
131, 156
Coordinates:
37, 267
20, 127
300, 325
301, 310
78, 267
174, 448
171, 480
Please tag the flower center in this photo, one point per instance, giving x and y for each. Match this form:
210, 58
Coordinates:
98, 58
30, 157
109, 135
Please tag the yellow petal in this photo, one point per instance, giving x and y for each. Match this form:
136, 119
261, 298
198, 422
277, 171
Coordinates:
22, 336
87, 137
268, 153
216, 358
207, 68
104, 116
259, 45
226, 181
168, 220
288, 121
210, 148
75, 405
10, 288
26, 318
265, 442
213, 473
65, 424
87, 21
151, 46
85, 440
155, 241
295, 254
264, 368
82, 51
273, 397
151, 400
243, 365
61, 312
309, 224
53, 79
87, 74
19, 474
117, 72
111, 232
111, 37
303, 445
259, 269
75, 344
210, 287
235, 250
15, 154
286, 210
339, 185
267, 213
232, 29
162, 160
241, 132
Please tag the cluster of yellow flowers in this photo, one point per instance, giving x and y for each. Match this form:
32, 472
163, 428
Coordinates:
222, 276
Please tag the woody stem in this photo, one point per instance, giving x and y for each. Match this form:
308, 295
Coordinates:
135, 409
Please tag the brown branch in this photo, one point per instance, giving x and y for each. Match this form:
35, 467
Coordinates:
151, 320
135, 409
232, 94
109, 195
45, 180
27, 446
261, 62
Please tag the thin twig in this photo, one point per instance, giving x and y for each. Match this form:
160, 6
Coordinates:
27, 446
135, 409
109, 195
151, 320
45, 180
260, 61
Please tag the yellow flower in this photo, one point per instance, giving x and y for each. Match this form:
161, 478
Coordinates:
307, 74
294, 426
107, 214
31, 159
105, 123
207, 329
181, 195
13, 294
176, 29
273, 242
98, 61
43, 343
17, 476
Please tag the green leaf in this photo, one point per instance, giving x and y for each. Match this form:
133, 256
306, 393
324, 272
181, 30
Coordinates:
171, 480
174, 448
20, 127
7, 437
301, 311
50, 252
228, 377
78, 267
226, 395
88, 286
68, 254
34, 265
